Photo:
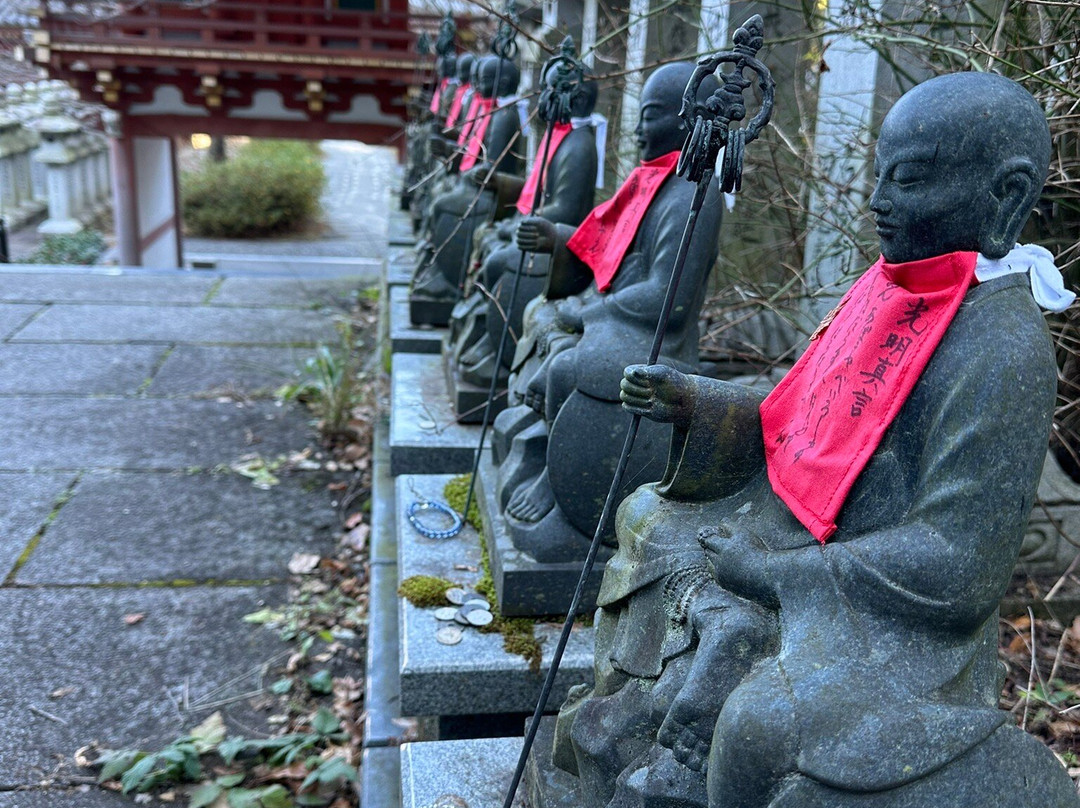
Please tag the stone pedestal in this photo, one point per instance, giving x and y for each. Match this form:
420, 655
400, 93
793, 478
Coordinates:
406, 337
425, 437
425, 311
59, 153
452, 774
400, 263
469, 400
525, 586
476, 676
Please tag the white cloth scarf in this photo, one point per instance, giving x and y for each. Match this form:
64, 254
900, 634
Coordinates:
1047, 286
599, 124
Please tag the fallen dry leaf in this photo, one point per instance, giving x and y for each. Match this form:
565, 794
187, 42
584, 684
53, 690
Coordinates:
60, 692
336, 486
354, 520
132, 619
303, 563
358, 536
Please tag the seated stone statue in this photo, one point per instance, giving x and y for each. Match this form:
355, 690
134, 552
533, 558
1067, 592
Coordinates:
874, 504
557, 443
425, 118
494, 142
477, 322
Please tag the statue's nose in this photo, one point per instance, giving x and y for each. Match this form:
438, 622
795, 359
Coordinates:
879, 204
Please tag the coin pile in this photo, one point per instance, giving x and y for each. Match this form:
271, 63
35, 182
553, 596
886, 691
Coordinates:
467, 610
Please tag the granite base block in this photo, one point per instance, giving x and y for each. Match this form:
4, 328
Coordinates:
406, 337
475, 676
427, 311
525, 586
399, 265
475, 773
380, 778
425, 437
470, 400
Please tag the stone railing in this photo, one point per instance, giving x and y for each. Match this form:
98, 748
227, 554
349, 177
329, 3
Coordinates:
50, 160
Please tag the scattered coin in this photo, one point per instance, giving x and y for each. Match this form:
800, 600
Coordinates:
448, 635
471, 607
476, 599
425, 423
446, 613
455, 595
479, 617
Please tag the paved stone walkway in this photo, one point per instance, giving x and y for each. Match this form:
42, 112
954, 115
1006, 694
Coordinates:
122, 398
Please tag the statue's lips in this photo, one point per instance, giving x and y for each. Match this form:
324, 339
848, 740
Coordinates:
884, 229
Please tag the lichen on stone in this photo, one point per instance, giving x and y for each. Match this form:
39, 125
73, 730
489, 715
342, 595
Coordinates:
425, 591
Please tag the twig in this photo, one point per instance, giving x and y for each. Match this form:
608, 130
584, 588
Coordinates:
50, 716
1032, 672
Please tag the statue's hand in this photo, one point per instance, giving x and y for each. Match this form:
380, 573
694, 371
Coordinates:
657, 392
476, 176
536, 235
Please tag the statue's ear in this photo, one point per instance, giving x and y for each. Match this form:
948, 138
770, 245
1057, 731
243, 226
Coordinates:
1016, 187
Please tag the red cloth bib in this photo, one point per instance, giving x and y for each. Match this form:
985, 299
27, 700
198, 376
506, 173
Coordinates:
470, 119
608, 231
826, 418
455, 105
476, 137
528, 192
437, 95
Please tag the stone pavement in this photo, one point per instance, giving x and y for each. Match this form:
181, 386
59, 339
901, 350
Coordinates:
124, 398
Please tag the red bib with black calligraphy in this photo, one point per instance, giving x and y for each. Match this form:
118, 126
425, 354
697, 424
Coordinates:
603, 238
437, 95
528, 192
470, 120
826, 418
455, 104
476, 137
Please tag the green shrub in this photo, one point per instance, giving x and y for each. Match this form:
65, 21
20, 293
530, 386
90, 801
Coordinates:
84, 247
268, 188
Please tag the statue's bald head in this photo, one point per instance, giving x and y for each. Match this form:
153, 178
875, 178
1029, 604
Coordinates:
497, 77
660, 129
960, 163
464, 67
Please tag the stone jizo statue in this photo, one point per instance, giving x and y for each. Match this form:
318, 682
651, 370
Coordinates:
862, 521
495, 143
477, 324
557, 443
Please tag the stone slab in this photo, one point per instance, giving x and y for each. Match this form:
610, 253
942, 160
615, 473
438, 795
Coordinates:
380, 778
477, 675
75, 369
382, 684
213, 370
544, 785
432, 312
14, 316
233, 325
477, 772
169, 434
25, 502
125, 678
305, 292
425, 437
139, 527
108, 286
406, 337
399, 265
470, 400
526, 587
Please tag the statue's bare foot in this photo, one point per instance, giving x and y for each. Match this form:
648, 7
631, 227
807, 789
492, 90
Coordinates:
687, 731
532, 503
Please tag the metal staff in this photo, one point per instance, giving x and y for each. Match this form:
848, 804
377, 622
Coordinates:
709, 130
569, 74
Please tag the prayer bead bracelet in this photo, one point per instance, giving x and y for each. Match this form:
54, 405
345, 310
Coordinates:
430, 532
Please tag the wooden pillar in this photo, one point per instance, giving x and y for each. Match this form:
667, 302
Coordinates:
588, 32
125, 205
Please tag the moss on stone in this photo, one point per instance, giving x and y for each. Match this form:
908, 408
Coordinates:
455, 492
425, 591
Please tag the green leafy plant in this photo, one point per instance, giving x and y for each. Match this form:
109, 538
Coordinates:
182, 762
330, 384
84, 247
268, 188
